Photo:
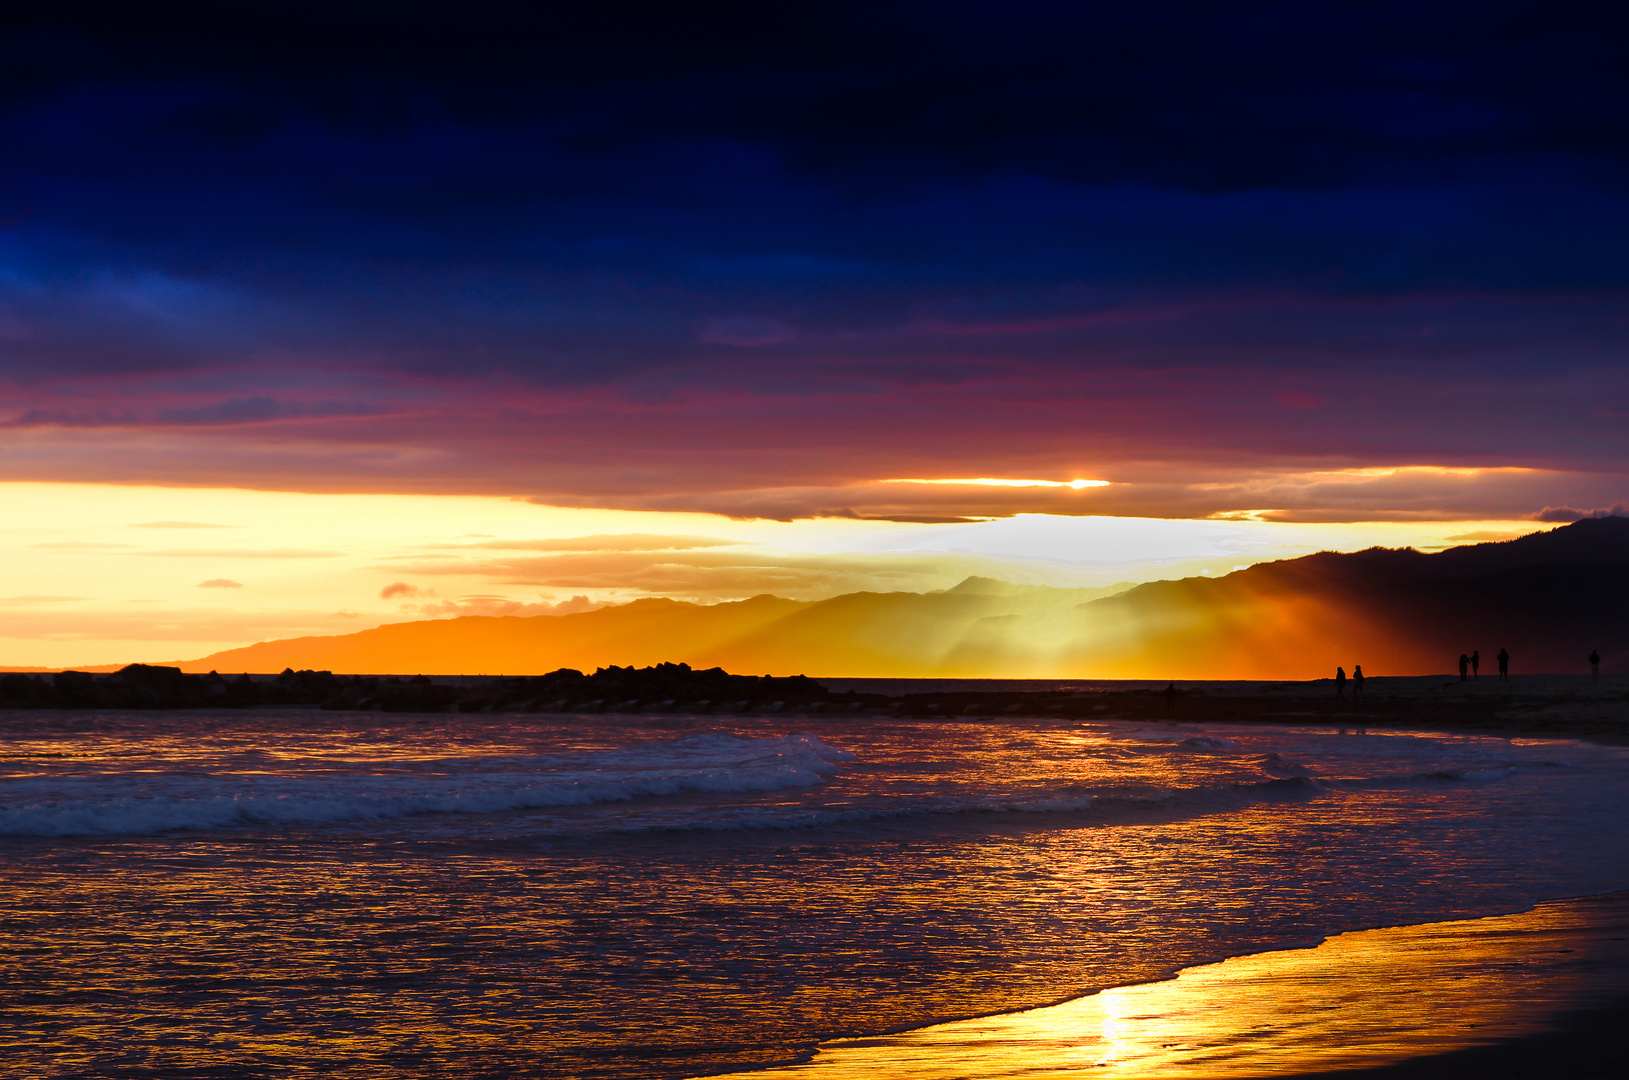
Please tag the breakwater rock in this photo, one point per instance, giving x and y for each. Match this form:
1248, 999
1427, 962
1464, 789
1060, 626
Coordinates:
663, 687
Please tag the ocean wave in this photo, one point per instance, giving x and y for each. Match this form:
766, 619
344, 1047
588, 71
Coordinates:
1274, 765
1155, 740
712, 763
1473, 774
1019, 810
1207, 742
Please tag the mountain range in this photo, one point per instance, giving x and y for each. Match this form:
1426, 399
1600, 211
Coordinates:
1549, 598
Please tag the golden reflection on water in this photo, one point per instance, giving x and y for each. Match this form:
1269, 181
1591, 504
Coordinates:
1358, 1000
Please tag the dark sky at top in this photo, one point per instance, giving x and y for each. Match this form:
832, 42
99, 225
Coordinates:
675, 255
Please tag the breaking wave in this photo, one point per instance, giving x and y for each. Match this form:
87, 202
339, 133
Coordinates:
127, 805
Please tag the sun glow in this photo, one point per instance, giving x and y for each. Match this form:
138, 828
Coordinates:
101, 573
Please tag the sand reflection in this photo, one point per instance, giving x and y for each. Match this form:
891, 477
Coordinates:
1358, 1000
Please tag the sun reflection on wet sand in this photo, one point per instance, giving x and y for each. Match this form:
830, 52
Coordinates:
1358, 1000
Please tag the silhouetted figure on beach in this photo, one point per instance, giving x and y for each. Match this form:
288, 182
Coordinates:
1340, 683
1476, 664
1357, 680
1170, 693
1464, 667
1504, 665
1594, 665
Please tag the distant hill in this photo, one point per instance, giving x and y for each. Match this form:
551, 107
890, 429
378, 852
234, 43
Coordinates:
898, 634
1549, 598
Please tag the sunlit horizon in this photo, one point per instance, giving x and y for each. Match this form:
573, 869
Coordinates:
99, 574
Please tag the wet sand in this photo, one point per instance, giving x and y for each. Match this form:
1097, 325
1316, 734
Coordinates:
1584, 1046
1544, 992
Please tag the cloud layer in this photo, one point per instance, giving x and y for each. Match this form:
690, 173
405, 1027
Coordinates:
756, 261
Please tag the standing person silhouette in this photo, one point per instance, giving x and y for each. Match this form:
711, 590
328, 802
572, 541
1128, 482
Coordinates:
1357, 681
1464, 666
1504, 665
1476, 664
1594, 665
1340, 683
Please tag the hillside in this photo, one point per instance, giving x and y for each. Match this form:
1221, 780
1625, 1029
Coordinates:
886, 634
1549, 598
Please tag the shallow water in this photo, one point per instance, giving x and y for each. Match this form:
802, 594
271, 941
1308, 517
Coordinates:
303, 893
1356, 1001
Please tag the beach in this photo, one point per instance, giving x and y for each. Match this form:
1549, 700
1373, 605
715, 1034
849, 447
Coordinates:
1491, 996
297, 892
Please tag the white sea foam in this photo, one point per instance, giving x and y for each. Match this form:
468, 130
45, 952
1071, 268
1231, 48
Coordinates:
126, 804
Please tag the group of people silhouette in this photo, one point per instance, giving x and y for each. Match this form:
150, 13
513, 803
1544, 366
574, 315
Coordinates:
1470, 666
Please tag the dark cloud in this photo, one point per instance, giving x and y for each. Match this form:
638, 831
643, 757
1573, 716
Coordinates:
231, 412
1566, 514
618, 251
747, 330
1186, 93
259, 410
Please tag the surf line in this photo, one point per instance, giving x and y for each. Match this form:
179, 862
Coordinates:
1363, 999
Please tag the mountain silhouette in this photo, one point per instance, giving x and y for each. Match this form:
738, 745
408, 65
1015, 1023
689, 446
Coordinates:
1549, 598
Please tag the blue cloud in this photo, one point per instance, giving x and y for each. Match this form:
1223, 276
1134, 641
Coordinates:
572, 198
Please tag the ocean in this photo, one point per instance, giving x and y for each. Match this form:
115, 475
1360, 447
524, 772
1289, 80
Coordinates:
277, 893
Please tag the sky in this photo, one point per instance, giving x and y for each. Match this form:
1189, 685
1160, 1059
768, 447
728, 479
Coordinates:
755, 272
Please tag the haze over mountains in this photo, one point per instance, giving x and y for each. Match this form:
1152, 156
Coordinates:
1549, 598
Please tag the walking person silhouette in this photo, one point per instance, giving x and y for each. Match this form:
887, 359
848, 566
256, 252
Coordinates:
1464, 666
1476, 664
1504, 665
1357, 681
1594, 665
1340, 684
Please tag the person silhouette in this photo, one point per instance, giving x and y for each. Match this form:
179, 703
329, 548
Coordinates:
1340, 683
1464, 666
1476, 664
1504, 665
1170, 693
1357, 680
1594, 665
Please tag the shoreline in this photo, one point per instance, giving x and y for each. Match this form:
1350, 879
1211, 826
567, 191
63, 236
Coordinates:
1566, 706
1492, 997
1585, 1045
1528, 706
